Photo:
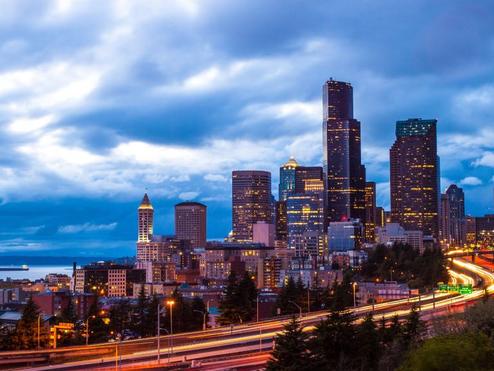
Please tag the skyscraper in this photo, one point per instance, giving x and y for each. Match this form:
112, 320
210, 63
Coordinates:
287, 179
414, 176
251, 202
345, 175
370, 212
305, 223
145, 220
190, 223
455, 227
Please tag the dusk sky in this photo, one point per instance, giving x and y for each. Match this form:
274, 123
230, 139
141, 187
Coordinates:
101, 100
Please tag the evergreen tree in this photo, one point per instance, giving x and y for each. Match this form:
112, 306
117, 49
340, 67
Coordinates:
290, 352
150, 323
334, 344
120, 317
247, 296
290, 293
140, 313
98, 330
369, 346
229, 306
68, 313
26, 332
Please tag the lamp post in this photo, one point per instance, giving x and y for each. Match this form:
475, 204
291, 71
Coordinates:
203, 318
171, 303
87, 328
158, 332
354, 297
298, 306
39, 329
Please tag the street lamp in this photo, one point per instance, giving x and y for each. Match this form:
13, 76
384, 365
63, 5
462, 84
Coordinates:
354, 297
39, 329
171, 303
87, 328
203, 318
298, 306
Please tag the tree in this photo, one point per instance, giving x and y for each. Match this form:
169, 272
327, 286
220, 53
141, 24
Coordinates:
290, 352
26, 332
228, 305
368, 345
481, 317
68, 313
140, 313
334, 343
120, 317
462, 352
247, 295
150, 323
98, 329
291, 293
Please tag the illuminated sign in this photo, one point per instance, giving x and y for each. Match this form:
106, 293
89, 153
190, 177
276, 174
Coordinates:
460, 288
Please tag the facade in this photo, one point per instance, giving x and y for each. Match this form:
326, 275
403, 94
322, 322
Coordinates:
145, 220
372, 292
306, 177
414, 176
287, 179
190, 223
345, 174
219, 259
264, 233
344, 236
281, 222
370, 212
305, 222
393, 233
106, 279
484, 226
251, 202
453, 217
470, 231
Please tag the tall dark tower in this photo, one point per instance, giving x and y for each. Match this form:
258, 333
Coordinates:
345, 174
414, 177
251, 202
190, 223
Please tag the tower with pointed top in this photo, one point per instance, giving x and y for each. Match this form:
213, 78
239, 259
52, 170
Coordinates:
145, 220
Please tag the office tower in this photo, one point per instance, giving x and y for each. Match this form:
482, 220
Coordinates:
345, 175
281, 223
190, 223
453, 217
293, 177
251, 202
470, 231
414, 176
145, 220
304, 174
287, 179
305, 222
264, 233
370, 212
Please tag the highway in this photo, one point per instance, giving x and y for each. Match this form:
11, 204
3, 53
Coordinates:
248, 337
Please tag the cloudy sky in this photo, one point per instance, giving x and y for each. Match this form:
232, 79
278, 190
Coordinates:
101, 100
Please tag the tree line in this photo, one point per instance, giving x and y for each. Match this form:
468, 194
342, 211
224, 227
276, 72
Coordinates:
123, 318
462, 341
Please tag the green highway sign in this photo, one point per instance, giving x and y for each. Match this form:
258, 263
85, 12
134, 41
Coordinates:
460, 288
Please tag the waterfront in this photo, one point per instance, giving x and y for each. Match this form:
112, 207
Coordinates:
36, 272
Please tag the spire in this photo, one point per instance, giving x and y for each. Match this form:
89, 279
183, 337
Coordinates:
145, 203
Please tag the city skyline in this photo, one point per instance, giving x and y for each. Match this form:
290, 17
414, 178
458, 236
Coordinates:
80, 149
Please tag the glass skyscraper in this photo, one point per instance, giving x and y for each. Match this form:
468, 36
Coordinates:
414, 176
345, 174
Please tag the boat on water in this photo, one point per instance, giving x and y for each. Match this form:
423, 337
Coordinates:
23, 267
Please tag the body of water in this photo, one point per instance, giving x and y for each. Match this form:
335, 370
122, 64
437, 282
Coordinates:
36, 272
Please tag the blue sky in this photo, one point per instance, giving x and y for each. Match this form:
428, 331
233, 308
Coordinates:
100, 101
